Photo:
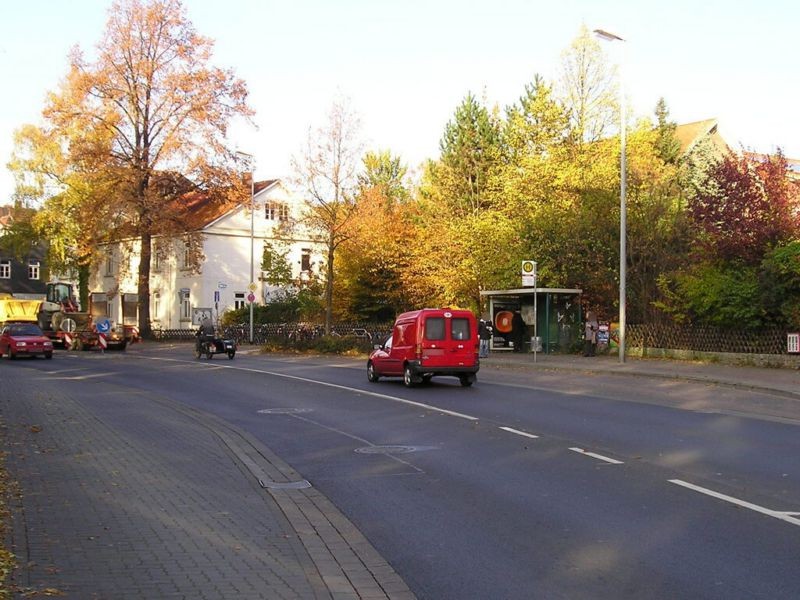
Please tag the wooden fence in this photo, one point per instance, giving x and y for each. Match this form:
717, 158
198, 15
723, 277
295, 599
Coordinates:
707, 339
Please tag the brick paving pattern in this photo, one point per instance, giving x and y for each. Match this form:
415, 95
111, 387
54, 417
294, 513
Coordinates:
143, 498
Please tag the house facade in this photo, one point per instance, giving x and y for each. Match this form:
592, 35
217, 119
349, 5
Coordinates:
23, 276
207, 272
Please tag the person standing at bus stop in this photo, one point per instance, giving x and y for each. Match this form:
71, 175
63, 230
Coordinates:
485, 335
590, 334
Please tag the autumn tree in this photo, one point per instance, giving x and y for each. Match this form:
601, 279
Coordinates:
748, 208
589, 88
373, 258
457, 200
384, 171
744, 268
535, 124
149, 114
77, 213
327, 172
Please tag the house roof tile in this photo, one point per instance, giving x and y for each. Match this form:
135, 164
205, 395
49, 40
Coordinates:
198, 210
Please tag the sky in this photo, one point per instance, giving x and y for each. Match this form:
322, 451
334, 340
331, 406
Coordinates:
406, 65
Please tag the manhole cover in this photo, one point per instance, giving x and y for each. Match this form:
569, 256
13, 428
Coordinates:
392, 449
284, 411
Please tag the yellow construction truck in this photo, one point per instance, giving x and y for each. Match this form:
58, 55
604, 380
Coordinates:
18, 310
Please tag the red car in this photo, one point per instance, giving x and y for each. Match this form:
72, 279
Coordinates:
428, 343
24, 339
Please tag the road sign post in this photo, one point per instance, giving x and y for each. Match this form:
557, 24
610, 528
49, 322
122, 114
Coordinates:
529, 280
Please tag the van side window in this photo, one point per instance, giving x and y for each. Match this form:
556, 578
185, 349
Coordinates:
459, 329
434, 328
402, 334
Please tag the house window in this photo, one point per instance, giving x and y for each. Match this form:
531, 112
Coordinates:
276, 210
238, 300
305, 259
186, 306
156, 306
34, 268
5, 269
109, 261
156, 262
187, 255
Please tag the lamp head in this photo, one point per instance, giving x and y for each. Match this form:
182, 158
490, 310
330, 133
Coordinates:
609, 37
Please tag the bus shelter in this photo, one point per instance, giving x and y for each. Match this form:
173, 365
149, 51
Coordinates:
552, 315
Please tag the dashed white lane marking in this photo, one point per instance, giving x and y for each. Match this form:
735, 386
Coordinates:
597, 456
789, 517
328, 384
518, 432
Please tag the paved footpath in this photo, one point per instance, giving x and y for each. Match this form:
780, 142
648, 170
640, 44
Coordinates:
781, 381
151, 499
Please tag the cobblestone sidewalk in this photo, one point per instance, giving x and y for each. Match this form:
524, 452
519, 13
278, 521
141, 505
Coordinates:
150, 499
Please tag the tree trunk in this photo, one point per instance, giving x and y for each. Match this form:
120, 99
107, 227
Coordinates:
143, 290
329, 288
83, 286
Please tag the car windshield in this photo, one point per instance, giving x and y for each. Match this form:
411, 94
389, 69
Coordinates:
24, 329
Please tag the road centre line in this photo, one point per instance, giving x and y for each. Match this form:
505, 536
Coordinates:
518, 432
328, 384
789, 517
597, 456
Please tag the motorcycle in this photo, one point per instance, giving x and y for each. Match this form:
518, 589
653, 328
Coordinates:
208, 347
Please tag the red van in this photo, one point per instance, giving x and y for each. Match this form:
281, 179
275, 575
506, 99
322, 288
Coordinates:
428, 342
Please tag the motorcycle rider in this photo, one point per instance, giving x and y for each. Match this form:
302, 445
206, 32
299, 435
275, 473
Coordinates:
205, 334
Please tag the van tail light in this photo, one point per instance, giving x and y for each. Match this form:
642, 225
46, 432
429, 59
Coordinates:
419, 351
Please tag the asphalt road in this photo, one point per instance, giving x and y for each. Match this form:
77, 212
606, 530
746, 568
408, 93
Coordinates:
528, 485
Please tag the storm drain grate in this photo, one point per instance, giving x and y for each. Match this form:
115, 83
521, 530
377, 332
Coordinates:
290, 485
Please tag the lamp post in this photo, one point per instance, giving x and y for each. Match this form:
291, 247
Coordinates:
250, 163
610, 37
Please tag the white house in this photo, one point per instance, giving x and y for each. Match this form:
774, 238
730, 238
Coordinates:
208, 272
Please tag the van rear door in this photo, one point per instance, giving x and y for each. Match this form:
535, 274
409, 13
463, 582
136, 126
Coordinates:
449, 339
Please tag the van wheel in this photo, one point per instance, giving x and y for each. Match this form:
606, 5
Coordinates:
408, 377
467, 380
371, 374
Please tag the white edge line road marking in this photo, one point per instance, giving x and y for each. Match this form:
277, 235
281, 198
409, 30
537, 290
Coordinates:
597, 456
333, 385
783, 516
518, 432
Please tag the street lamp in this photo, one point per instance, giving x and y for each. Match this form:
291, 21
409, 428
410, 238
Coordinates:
249, 161
610, 37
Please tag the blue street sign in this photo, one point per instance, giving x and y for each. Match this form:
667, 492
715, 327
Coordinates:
103, 326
